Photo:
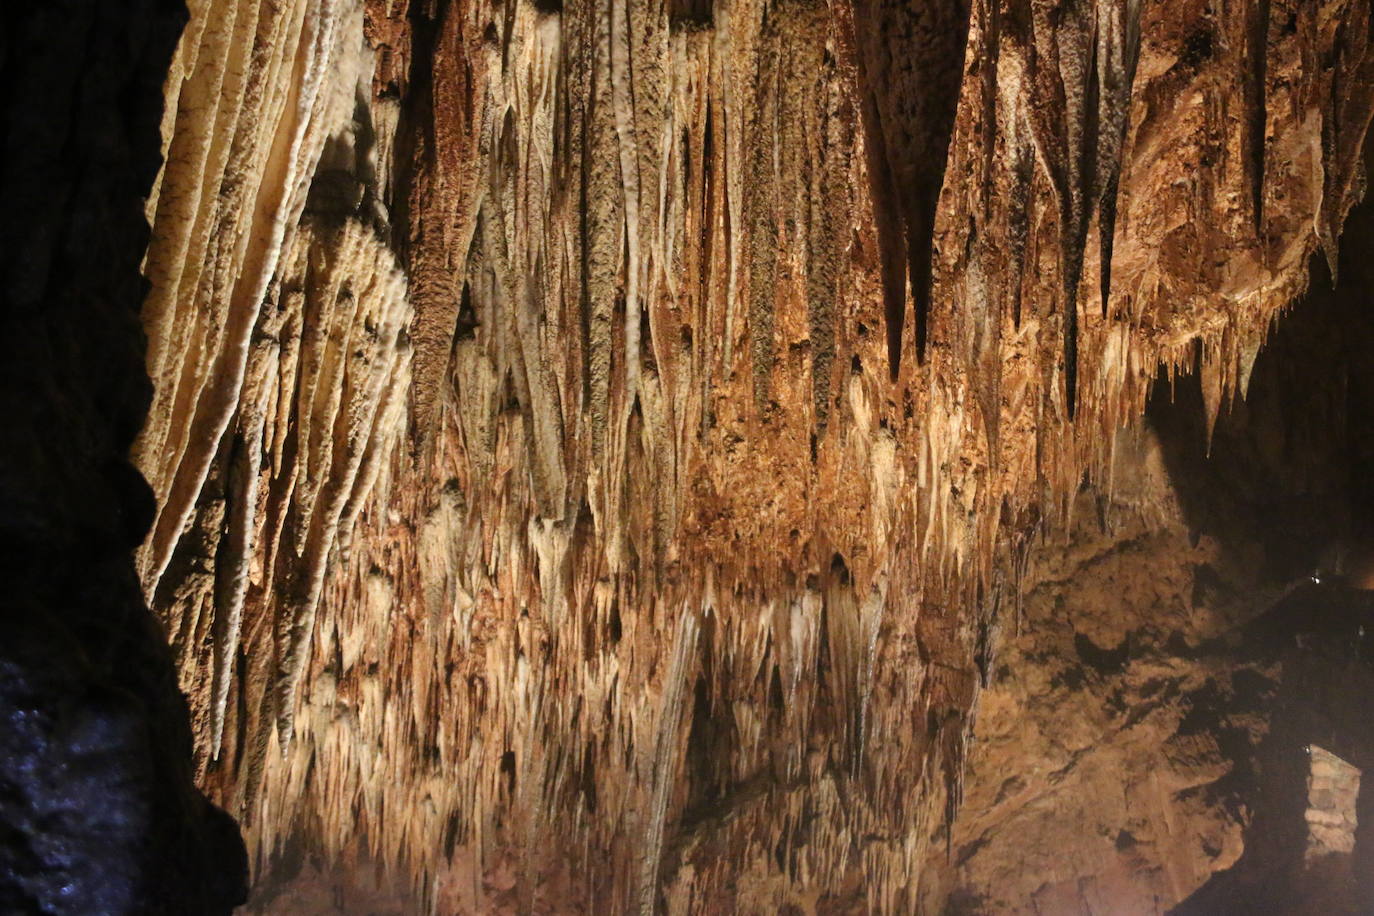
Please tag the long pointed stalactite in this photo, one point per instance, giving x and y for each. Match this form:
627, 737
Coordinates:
910, 59
1118, 54
534, 452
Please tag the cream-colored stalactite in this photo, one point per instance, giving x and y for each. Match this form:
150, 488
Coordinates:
277, 344
255, 88
351, 373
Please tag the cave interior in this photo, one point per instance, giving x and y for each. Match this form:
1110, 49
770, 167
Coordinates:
597, 456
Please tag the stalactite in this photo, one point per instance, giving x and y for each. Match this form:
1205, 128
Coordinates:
1118, 53
218, 259
1064, 127
436, 195
911, 68
1022, 168
1346, 124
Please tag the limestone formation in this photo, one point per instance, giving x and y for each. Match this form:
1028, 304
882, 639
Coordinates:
546, 513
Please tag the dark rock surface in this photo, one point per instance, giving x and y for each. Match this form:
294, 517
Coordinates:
98, 811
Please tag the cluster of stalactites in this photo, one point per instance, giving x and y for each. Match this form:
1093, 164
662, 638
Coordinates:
277, 326
668, 563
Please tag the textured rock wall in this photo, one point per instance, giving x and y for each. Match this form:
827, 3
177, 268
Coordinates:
1126, 748
98, 809
1099, 778
535, 451
1332, 789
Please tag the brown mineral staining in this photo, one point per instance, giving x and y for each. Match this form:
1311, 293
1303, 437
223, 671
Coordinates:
526, 462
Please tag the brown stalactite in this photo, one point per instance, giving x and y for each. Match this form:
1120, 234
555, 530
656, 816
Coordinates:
911, 62
1257, 56
1118, 54
436, 193
1064, 124
1344, 132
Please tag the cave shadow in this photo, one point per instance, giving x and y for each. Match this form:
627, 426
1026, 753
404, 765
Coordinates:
1291, 466
1323, 668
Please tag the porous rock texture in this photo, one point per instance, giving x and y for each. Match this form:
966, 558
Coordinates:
99, 812
1153, 720
1087, 788
555, 507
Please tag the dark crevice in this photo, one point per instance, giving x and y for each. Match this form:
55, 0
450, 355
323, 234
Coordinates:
99, 812
690, 15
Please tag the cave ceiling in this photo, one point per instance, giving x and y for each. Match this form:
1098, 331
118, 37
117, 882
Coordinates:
597, 444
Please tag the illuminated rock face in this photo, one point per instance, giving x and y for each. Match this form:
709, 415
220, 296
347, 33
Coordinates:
1150, 734
598, 447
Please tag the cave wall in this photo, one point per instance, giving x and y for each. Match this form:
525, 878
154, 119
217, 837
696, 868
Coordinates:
1108, 748
99, 812
1189, 649
541, 447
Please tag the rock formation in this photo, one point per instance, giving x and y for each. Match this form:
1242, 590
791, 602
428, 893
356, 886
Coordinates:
1188, 650
555, 509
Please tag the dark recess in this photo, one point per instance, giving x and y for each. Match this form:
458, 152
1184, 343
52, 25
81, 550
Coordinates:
690, 15
1291, 470
98, 809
